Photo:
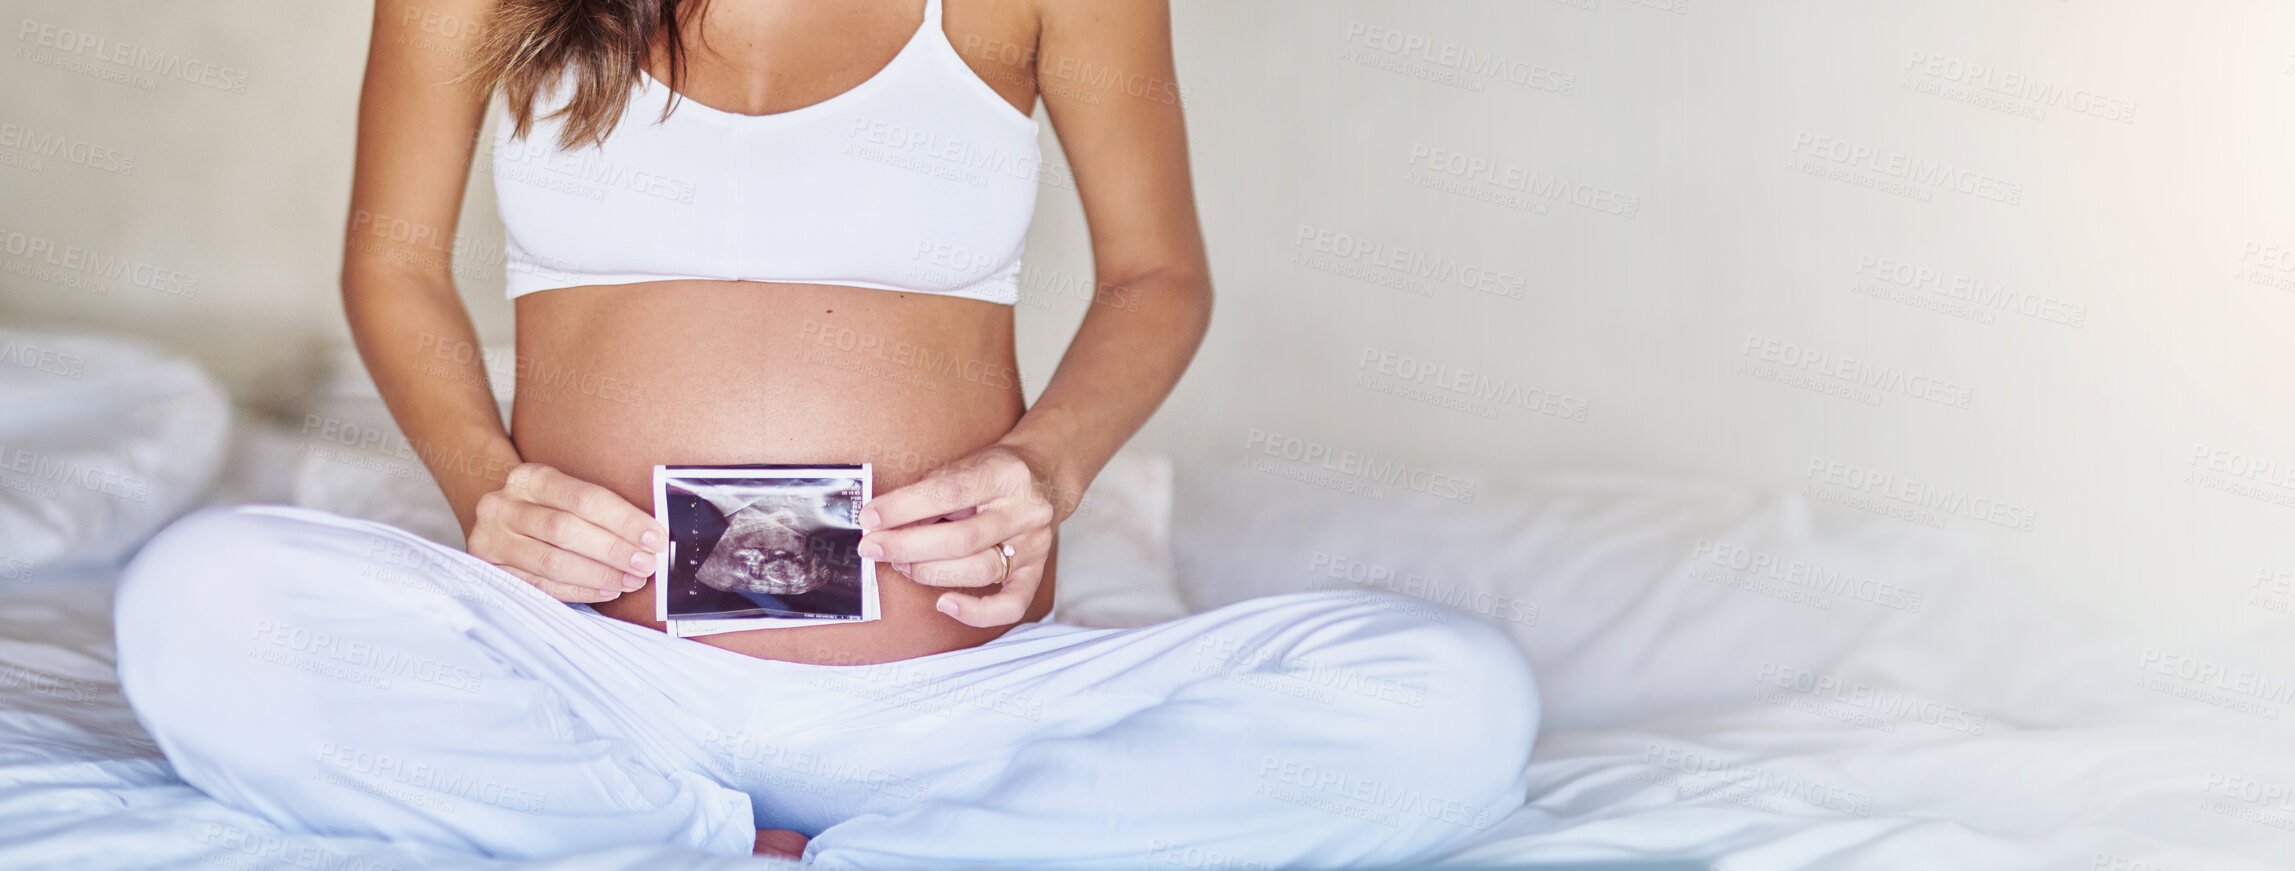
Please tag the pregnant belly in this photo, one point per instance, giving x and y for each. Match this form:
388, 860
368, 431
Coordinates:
614, 380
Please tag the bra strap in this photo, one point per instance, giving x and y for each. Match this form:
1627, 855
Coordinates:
932, 13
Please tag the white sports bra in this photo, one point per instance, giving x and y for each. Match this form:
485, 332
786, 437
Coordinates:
920, 179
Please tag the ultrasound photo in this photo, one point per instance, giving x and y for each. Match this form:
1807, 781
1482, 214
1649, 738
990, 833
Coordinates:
762, 546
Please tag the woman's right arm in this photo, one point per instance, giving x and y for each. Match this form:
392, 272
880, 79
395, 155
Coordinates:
417, 130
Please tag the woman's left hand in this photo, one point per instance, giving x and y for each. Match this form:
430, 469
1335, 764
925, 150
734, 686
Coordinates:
945, 529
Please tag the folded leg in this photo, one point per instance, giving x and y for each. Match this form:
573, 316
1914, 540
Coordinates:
346, 678
1313, 730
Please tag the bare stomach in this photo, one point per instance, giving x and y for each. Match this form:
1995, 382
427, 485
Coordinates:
613, 380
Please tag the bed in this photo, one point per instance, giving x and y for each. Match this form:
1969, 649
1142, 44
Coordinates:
1731, 678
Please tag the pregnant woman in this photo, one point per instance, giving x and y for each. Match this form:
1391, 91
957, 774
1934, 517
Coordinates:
786, 231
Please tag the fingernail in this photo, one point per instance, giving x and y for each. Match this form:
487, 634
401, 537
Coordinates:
651, 540
946, 607
630, 583
869, 517
641, 562
871, 550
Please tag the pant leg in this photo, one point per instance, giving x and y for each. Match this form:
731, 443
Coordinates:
1311, 730
346, 678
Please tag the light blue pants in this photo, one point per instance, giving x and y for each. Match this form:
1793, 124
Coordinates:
344, 677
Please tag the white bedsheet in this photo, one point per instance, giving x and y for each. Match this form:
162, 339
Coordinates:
102, 440
82, 787
1973, 731
1660, 745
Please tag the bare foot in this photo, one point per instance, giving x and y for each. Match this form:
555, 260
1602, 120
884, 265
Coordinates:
780, 842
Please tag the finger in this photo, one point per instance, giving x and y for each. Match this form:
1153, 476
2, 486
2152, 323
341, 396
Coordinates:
973, 570
982, 568
570, 532
558, 591
598, 505
562, 592
937, 494
1003, 607
927, 542
563, 566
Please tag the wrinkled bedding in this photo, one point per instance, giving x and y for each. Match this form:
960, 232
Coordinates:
1731, 678
1748, 680
1970, 735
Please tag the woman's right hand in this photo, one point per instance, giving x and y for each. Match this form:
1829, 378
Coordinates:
572, 539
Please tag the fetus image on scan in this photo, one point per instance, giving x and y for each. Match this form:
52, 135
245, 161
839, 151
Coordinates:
764, 547
765, 550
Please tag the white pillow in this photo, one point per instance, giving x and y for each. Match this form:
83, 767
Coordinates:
355, 462
102, 441
1634, 596
1115, 552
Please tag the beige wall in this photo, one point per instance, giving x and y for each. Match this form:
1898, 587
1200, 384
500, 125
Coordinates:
1664, 236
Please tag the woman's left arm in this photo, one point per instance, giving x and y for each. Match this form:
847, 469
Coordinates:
1104, 70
